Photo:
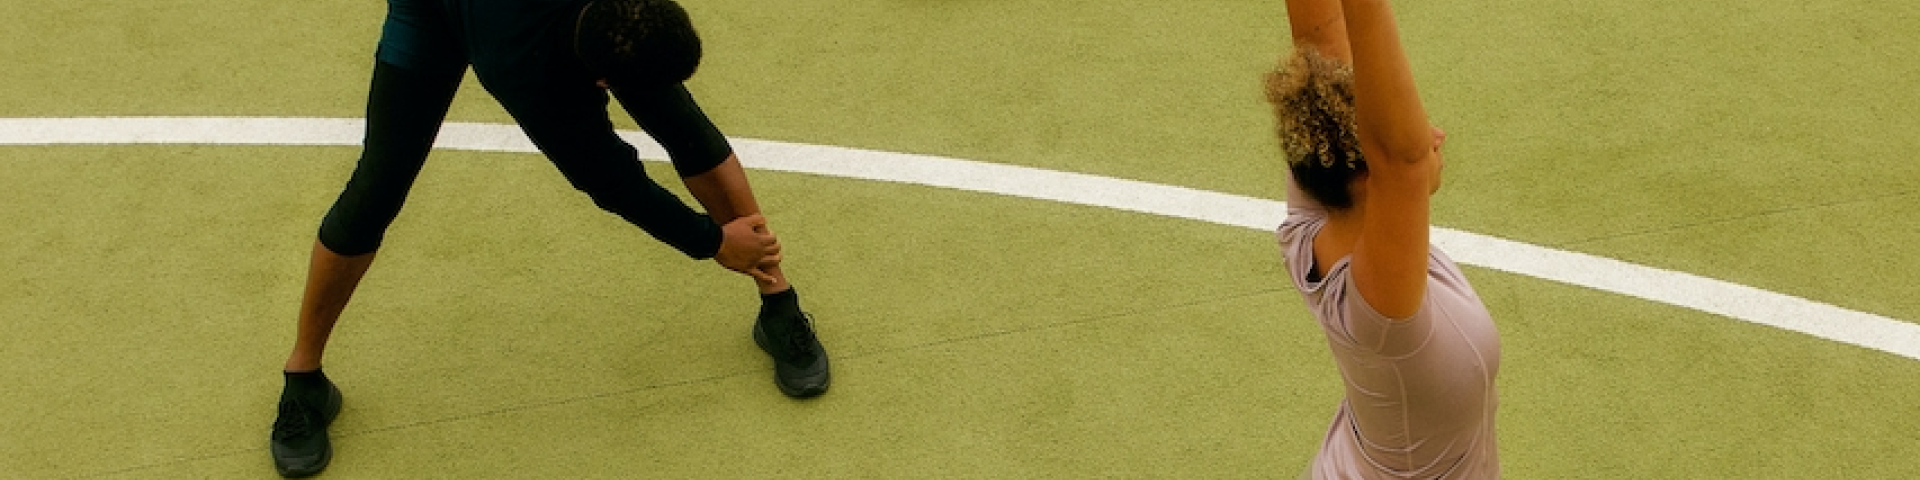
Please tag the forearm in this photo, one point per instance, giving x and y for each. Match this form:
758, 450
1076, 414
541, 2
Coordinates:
671, 221
1319, 24
1387, 109
724, 191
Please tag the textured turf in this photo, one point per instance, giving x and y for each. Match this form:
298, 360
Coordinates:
511, 330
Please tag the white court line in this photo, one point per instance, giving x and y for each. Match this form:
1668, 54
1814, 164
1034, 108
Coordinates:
1665, 286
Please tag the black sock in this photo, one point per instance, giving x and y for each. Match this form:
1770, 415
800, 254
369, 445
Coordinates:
782, 305
306, 384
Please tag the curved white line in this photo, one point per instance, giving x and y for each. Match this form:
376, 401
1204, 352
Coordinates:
1665, 286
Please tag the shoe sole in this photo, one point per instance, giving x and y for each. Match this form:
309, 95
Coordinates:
326, 457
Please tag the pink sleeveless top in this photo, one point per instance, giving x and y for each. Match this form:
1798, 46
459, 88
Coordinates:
1420, 398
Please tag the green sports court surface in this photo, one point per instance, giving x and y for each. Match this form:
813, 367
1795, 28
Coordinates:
148, 283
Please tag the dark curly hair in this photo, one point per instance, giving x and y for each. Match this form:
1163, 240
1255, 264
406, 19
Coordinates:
637, 42
1312, 99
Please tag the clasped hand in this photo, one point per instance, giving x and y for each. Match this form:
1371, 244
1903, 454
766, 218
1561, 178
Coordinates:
748, 247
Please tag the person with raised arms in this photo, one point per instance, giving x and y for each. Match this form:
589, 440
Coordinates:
1416, 349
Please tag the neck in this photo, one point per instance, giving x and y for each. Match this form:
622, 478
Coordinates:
1335, 239
1344, 224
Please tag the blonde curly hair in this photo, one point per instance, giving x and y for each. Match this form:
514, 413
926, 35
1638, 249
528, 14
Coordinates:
1312, 98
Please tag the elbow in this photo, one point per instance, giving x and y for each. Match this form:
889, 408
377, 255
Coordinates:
1397, 155
1406, 147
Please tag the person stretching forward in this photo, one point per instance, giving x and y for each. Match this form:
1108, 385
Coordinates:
551, 64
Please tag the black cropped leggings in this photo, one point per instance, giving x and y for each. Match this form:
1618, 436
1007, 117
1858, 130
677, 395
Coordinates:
404, 112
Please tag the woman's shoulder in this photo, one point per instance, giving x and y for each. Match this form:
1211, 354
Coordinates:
1295, 237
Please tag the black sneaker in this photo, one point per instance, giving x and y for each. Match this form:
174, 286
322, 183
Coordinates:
300, 447
799, 362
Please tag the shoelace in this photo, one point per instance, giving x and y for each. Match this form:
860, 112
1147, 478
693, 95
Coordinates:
294, 422
800, 340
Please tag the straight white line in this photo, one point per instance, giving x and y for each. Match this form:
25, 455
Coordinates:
1665, 286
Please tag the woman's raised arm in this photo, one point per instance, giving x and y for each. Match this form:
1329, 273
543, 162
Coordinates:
1403, 164
1387, 112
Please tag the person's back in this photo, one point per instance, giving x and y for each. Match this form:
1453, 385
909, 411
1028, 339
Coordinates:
1420, 397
